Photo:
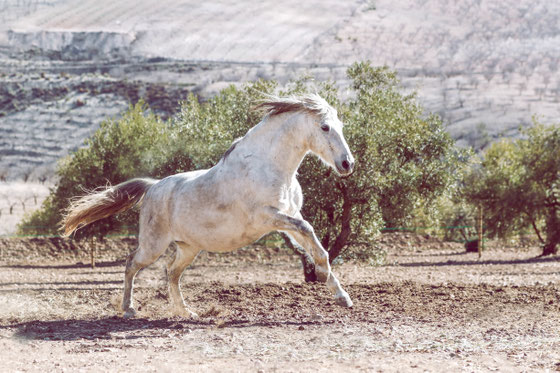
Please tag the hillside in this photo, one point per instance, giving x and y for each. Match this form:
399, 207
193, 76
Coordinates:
486, 67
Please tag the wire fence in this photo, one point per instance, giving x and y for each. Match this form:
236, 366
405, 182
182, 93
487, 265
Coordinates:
133, 228
479, 242
475, 236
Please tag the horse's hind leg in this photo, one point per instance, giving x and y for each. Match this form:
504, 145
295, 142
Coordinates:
185, 256
149, 249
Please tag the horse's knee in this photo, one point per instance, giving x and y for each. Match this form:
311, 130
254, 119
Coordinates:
321, 258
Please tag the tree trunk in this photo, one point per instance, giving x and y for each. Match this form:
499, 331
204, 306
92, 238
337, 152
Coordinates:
552, 233
345, 230
326, 240
306, 260
550, 248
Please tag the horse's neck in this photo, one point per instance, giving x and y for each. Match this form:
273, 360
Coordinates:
279, 141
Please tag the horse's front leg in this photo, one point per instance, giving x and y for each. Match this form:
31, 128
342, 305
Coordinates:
302, 232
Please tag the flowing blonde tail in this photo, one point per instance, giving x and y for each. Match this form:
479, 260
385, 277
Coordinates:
111, 201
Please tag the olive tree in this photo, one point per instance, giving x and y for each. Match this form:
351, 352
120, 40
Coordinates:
117, 151
403, 159
517, 183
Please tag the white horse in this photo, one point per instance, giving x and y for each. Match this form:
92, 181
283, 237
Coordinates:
250, 192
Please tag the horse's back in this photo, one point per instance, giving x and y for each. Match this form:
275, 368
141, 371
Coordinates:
157, 205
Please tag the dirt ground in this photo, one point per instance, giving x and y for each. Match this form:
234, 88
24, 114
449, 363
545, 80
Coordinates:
426, 309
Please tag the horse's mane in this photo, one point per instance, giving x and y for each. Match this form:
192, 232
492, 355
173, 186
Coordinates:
274, 105
312, 103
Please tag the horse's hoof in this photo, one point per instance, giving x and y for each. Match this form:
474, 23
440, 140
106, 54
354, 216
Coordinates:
191, 315
186, 313
129, 313
344, 300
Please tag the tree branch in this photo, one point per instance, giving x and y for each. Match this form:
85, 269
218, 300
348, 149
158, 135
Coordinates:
536, 230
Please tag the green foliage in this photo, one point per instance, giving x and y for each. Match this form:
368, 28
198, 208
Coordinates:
139, 145
119, 150
404, 159
449, 215
517, 184
204, 131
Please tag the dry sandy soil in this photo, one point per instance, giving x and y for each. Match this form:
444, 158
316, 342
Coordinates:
426, 309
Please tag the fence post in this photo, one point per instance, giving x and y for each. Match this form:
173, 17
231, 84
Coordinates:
480, 233
92, 252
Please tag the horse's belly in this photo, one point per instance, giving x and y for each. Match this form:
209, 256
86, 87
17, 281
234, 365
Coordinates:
223, 243
220, 235
218, 216
231, 243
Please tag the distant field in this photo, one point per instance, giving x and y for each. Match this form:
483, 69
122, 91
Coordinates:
485, 67
16, 200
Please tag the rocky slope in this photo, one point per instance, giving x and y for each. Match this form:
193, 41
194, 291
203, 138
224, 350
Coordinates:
485, 67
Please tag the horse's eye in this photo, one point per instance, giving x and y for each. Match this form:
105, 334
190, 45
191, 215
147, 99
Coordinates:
326, 127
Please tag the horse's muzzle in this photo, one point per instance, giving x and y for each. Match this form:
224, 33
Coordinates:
346, 166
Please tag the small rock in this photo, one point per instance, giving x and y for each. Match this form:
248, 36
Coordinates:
317, 317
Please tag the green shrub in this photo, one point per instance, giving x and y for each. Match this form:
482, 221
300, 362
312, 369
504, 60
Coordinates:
119, 150
403, 160
516, 183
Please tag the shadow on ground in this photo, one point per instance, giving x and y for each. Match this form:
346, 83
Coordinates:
538, 259
114, 263
109, 328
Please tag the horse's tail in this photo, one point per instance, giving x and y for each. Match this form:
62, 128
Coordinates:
99, 205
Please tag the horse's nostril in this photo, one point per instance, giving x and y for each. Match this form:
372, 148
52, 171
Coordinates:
345, 165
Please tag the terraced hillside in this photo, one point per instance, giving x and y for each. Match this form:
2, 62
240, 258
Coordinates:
486, 67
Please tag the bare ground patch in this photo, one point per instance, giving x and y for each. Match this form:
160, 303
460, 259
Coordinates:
424, 310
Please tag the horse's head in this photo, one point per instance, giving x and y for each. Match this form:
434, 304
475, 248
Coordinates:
318, 128
327, 139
